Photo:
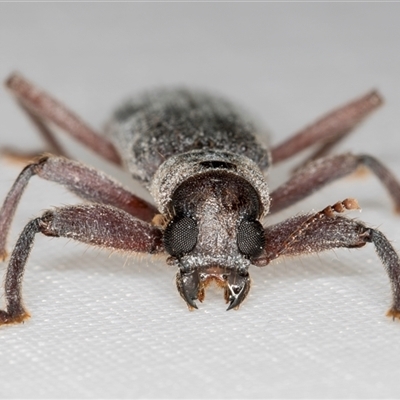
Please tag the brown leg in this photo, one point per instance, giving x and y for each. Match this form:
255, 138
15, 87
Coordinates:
319, 173
85, 182
329, 128
52, 144
94, 224
44, 107
325, 230
322, 151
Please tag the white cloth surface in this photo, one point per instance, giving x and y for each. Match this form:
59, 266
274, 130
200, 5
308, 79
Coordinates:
112, 327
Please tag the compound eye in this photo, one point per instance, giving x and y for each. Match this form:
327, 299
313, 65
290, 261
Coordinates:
180, 236
251, 238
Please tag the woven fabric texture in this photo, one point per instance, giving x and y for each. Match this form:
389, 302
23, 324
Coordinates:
115, 327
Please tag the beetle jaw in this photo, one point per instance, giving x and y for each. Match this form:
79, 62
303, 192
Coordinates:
191, 284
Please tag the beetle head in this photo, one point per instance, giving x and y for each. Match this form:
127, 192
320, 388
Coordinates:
213, 234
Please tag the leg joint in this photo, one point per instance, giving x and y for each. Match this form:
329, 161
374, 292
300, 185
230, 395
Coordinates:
44, 224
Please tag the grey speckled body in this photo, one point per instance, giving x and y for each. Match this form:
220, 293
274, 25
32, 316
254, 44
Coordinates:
159, 124
199, 157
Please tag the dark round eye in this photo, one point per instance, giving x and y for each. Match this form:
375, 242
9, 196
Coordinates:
250, 238
180, 236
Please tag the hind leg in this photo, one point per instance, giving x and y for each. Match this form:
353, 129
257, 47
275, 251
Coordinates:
328, 130
42, 109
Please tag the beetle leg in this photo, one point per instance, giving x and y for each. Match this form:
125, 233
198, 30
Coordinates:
85, 182
319, 173
322, 151
330, 128
93, 224
42, 107
53, 146
325, 230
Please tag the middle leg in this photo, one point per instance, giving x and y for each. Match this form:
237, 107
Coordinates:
319, 173
87, 183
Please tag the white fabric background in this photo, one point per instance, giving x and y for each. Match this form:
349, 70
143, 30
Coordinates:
114, 327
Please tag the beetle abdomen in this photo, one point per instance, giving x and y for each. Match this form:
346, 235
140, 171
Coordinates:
159, 124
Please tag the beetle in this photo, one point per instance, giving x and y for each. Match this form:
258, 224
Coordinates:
200, 157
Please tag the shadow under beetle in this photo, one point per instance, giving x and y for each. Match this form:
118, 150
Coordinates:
200, 159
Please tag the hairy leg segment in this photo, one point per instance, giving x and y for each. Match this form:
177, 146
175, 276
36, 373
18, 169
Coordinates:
93, 224
325, 230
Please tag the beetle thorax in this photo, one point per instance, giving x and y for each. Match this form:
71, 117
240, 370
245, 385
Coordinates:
177, 169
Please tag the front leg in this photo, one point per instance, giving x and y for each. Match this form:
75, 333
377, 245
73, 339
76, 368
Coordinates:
94, 224
325, 230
